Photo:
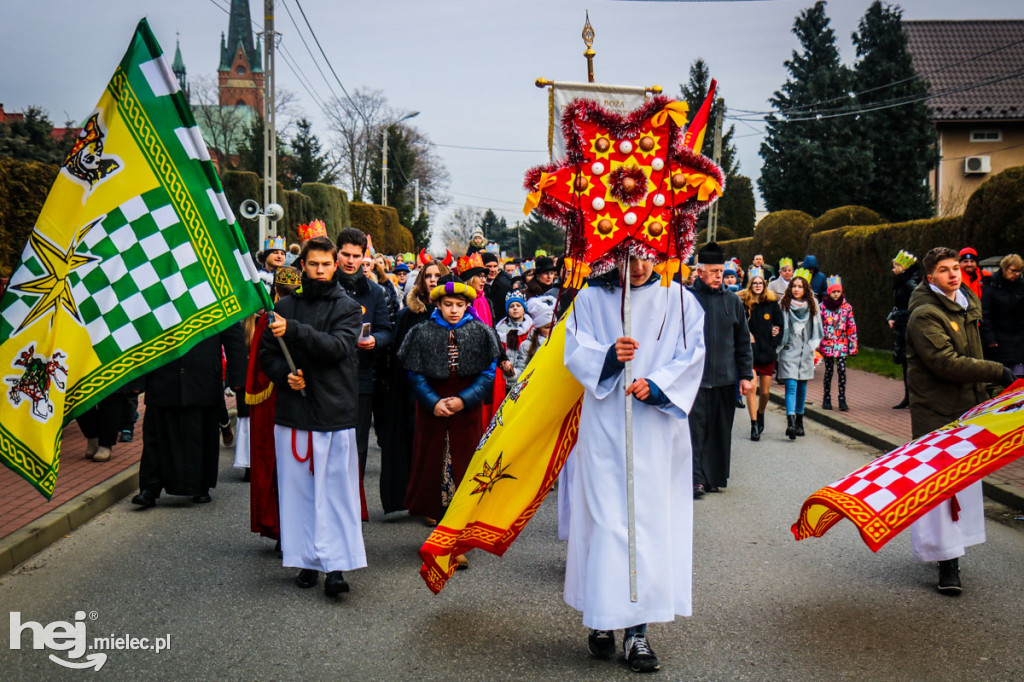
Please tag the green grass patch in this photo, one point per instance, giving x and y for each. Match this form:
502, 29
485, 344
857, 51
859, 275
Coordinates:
876, 362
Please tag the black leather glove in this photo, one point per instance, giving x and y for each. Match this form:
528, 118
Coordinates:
1008, 376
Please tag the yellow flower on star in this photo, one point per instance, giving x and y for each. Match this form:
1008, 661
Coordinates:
53, 286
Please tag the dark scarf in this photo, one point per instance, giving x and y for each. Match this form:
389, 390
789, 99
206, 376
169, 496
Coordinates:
313, 289
833, 305
356, 282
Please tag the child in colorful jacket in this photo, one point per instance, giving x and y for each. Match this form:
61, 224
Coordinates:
513, 331
840, 340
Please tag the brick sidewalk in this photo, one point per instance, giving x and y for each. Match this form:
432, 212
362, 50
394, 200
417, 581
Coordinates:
21, 504
871, 397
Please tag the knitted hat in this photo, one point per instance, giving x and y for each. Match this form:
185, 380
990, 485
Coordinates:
315, 228
711, 254
488, 257
273, 244
401, 267
968, 251
541, 309
834, 283
514, 297
904, 259
785, 263
729, 270
452, 288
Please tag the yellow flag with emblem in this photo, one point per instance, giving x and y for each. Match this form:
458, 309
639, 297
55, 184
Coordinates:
134, 259
516, 463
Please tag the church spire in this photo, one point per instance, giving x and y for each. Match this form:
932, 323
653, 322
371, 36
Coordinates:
178, 67
239, 32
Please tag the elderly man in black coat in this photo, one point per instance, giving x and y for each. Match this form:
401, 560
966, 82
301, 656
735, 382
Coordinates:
729, 357
180, 433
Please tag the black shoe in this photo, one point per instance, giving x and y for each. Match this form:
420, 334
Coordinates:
755, 431
226, 434
334, 584
791, 426
800, 425
843, 407
826, 404
698, 491
639, 654
247, 476
127, 435
145, 498
904, 404
277, 550
202, 498
712, 489
601, 644
949, 578
307, 578
760, 422
739, 404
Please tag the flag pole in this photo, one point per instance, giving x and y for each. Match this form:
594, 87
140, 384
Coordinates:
630, 502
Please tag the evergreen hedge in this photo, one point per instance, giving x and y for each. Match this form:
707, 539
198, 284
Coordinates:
843, 216
23, 189
330, 204
782, 234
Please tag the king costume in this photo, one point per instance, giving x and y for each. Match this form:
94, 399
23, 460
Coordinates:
671, 358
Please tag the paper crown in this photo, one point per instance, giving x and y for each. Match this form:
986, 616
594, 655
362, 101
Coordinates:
315, 228
287, 276
408, 258
273, 244
904, 259
539, 252
453, 289
804, 274
834, 281
785, 263
471, 262
755, 272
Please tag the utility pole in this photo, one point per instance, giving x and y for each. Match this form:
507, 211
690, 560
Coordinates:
384, 170
519, 236
269, 126
717, 157
416, 199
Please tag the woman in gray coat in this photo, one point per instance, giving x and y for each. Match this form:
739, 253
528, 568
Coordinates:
801, 334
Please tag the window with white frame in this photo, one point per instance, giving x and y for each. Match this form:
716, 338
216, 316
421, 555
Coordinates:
987, 135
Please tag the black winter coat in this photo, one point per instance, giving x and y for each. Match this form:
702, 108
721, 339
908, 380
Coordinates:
321, 335
1002, 322
763, 316
496, 291
728, 355
194, 379
903, 286
372, 298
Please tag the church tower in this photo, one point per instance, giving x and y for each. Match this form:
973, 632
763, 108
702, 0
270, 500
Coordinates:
178, 68
240, 76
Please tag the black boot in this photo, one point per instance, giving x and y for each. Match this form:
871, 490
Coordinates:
800, 425
791, 426
755, 432
760, 422
307, 578
145, 498
843, 407
904, 404
826, 403
949, 577
335, 584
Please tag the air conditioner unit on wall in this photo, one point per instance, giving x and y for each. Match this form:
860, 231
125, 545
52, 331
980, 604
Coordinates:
975, 165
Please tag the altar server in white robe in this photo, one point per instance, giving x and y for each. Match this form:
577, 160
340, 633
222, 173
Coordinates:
314, 423
667, 350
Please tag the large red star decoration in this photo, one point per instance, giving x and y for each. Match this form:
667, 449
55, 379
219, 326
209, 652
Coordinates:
626, 185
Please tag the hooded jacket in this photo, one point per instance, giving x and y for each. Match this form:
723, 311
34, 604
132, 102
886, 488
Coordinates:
321, 335
819, 283
373, 300
729, 356
945, 372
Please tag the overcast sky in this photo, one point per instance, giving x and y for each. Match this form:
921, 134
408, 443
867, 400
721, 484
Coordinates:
467, 65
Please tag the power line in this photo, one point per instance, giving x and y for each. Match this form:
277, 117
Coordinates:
305, 44
490, 149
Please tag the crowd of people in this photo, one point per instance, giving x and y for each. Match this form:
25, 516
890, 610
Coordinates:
419, 350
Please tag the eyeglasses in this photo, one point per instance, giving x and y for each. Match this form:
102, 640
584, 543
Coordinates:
1015, 271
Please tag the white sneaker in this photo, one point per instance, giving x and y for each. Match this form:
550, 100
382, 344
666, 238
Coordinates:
91, 446
102, 455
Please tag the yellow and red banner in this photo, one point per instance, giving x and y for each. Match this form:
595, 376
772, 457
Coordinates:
515, 465
883, 498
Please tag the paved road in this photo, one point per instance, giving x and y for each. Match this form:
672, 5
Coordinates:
766, 607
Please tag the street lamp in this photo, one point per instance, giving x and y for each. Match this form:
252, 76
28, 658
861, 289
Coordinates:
384, 158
